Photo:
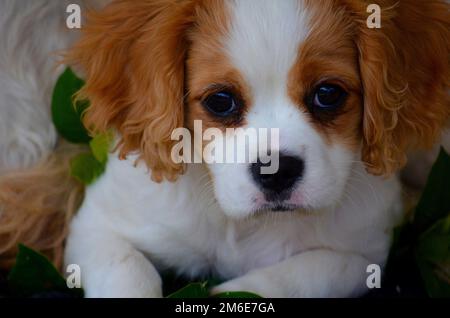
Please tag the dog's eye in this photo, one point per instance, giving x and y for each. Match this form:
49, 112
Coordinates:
221, 104
328, 97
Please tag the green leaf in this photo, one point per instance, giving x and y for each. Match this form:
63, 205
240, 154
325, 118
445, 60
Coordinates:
433, 253
201, 290
86, 168
101, 145
435, 201
67, 116
34, 274
424, 243
194, 290
432, 223
435, 286
239, 294
434, 244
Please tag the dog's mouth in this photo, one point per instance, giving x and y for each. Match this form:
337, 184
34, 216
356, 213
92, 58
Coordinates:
278, 207
286, 201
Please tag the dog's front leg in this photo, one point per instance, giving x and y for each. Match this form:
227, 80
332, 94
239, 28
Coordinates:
315, 273
110, 266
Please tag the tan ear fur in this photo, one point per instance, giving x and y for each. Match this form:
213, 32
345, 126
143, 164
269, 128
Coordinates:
405, 75
37, 204
133, 54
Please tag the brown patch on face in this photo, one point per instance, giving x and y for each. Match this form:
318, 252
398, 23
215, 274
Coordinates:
134, 55
403, 69
329, 56
405, 72
210, 71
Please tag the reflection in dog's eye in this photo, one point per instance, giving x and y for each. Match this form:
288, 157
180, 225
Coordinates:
221, 104
329, 96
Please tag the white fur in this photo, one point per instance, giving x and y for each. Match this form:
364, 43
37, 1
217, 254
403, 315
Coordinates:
32, 33
126, 216
27, 76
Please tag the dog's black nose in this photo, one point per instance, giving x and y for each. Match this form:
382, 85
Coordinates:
276, 186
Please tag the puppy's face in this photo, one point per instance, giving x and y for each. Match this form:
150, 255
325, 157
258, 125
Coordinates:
271, 64
337, 91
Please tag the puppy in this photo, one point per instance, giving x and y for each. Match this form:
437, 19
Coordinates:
349, 103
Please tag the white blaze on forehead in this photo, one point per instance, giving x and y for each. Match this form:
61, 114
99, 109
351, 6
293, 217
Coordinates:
263, 44
264, 38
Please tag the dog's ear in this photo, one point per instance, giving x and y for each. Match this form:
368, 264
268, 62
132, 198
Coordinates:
405, 74
133, 54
